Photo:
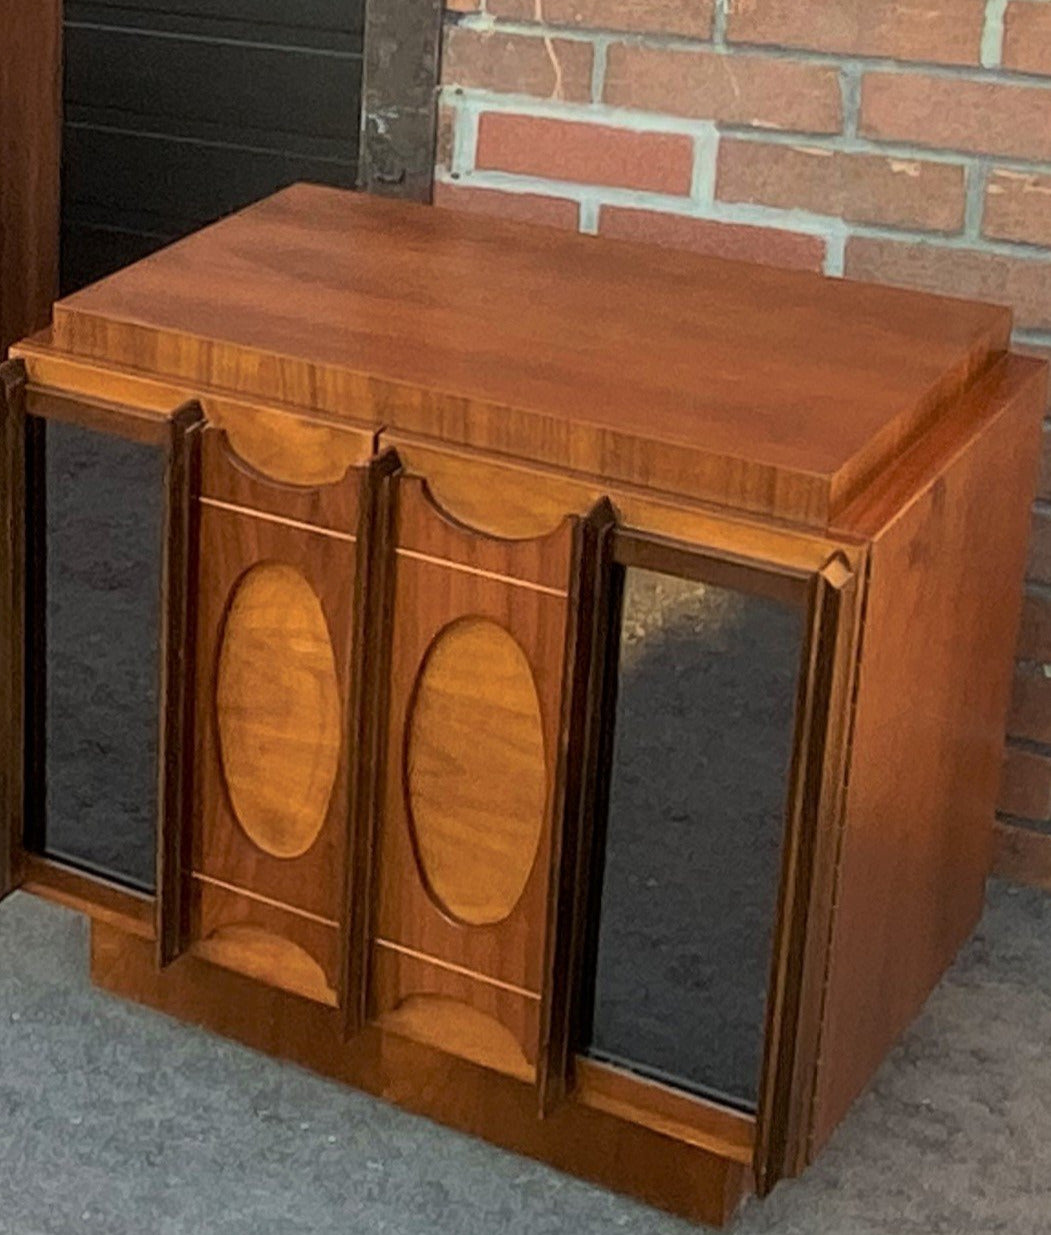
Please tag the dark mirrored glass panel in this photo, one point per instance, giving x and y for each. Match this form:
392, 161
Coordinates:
95, 561
701, 750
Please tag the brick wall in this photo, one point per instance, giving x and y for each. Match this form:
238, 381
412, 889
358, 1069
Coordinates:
905, 141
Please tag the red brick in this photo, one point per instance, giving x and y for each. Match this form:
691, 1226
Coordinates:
1025, 785
522, 207
585, 153
1027, 36
692, 18
733, 89
944, 31
462, 6
1022, 282
1030, 714
769, 245
517, 64
951, 113
1034, 635
863, 188
1018, 207
1041, 353
1038, 567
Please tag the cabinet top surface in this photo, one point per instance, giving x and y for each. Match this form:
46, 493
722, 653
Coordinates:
778, 390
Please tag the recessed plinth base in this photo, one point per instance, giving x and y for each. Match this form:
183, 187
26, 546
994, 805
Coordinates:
594, 1144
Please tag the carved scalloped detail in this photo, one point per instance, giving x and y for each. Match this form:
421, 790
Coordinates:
285, 448
459, 1029
476, 771
259, 954
498, 502
278, 710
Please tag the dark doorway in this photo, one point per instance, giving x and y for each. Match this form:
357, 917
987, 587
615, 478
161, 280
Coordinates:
180, 111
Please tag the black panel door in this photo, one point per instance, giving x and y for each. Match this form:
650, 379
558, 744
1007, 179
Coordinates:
181, 111
698, 782
95, 578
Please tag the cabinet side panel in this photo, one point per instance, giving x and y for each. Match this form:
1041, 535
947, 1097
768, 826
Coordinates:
29, 179
943, 609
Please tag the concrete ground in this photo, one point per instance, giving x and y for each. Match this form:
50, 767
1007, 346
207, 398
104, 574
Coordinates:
114, 1119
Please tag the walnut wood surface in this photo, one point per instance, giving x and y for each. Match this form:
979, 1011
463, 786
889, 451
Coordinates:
456, 1026
30, 126
771, 390
231, 545
453, 584
448, 1006
12, 620
273, 766
580, 790
280, 734
608, 1133
373, 622
526, 379
940, 624
271, 438
805, 912
299, 491
683, 1116
131, 912
265, 941
508, 499
175, 746
476, 771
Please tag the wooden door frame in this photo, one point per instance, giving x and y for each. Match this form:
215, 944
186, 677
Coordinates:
24, 408
829, 601
12, 622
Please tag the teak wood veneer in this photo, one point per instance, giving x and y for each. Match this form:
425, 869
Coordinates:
447, 505
30, 136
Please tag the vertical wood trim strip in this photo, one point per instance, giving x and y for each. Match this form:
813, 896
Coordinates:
175, 745
12, 621
784, 1101
373, 623
604, 706
33, 534
574, 805
30, 193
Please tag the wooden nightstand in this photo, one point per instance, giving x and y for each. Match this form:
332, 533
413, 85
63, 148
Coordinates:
555, 685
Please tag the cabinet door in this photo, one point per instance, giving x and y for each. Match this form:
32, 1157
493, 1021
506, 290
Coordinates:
714, 846
472, 786
276, 731
97, 567
702, 729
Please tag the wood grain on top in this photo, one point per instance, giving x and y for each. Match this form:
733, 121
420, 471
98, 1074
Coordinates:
778, 391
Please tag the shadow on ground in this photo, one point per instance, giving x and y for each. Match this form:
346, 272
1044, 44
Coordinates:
114, 1119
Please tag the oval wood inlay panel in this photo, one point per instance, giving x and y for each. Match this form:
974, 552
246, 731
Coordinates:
476, 772
279, 714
